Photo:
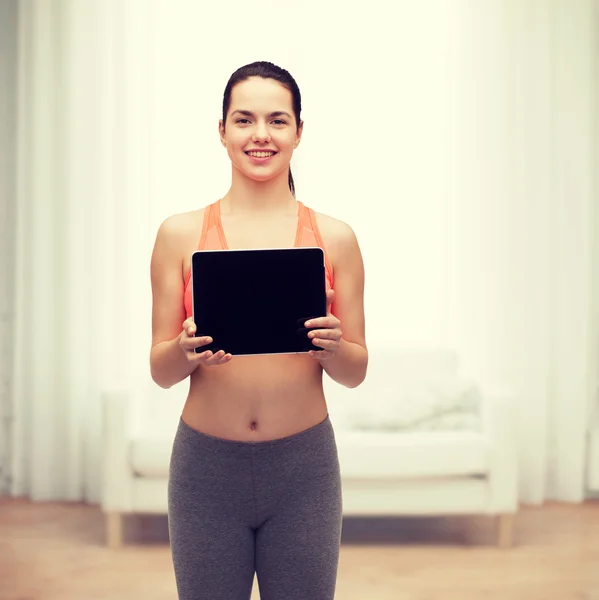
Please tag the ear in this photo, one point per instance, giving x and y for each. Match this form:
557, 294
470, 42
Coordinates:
221, 133
298, 136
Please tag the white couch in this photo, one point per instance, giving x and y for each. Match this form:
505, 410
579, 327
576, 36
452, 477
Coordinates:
414, 439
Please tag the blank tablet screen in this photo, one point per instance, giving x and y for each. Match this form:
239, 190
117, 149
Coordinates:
257, 301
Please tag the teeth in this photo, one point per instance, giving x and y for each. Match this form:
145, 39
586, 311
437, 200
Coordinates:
260, 154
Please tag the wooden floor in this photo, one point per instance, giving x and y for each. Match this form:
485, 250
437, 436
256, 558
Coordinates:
56, 552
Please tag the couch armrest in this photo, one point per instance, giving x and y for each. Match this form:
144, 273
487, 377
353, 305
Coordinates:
499, 420
117, 477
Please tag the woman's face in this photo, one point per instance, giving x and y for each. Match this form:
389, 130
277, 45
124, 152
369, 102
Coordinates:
260, 133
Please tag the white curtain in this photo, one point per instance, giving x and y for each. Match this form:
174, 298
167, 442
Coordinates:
82, 235
8, 73
455, 136
523, 189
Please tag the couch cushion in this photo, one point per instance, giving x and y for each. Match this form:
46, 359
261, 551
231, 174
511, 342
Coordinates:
408, 390
417, 406
364, 454
369, 454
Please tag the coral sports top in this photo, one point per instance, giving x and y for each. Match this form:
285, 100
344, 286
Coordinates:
213, 238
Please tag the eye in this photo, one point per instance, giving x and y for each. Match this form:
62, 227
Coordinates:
239, 120
280, 122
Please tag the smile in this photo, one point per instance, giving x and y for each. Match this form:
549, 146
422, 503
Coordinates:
261, 154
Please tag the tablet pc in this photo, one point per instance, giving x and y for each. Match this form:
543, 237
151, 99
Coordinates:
253, 302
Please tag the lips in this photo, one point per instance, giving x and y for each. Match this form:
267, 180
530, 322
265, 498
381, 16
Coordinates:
261, 153
259, 157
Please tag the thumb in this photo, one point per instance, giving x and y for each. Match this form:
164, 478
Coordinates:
330, 298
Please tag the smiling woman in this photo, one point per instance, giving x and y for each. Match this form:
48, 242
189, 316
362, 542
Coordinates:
254, 484
278, 132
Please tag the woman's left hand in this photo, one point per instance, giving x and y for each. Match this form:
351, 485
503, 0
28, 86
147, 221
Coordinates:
326, 332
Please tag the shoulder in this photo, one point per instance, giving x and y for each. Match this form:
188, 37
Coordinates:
341, 245
337, 235
179, 228
181, 223
176, 235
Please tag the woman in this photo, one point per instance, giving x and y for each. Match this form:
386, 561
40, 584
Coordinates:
254, 484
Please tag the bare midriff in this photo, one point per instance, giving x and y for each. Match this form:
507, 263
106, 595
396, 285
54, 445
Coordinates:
256, 398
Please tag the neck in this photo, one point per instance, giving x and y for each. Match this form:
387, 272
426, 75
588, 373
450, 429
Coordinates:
249, 196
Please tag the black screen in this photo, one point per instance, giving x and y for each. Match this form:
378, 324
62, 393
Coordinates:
256, 301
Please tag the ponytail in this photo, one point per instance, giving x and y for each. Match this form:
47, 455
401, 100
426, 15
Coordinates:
291, 185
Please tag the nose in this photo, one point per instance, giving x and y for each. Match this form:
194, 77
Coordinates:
261, 133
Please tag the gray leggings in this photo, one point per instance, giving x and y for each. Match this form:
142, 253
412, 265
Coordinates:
269, 508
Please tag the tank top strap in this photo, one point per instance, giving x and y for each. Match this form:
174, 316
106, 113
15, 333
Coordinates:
205, 226
313, 226
301, 224
309, 234
212, 237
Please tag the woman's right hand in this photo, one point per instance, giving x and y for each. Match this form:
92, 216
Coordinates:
189, 343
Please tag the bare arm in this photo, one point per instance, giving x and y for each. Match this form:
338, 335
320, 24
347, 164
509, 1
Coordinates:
172, 356
168, 362
349, 364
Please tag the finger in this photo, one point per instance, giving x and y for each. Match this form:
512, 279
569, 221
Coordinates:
196, 342
219, 358
327, 334
329, 322
201, 356
330, 298
325, 344
214, 358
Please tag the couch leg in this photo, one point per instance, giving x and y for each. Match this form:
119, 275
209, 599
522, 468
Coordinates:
505, 530
114, 530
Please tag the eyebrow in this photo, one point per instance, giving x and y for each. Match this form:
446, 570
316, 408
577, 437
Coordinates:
248, 113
